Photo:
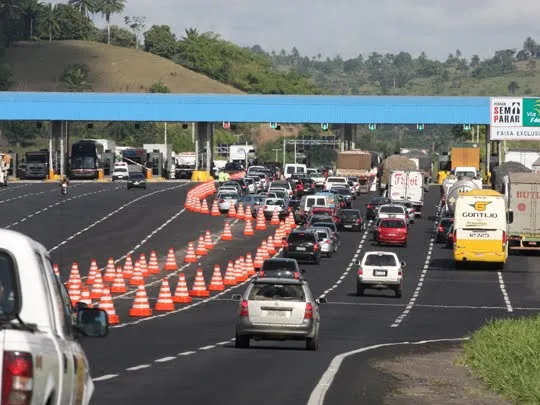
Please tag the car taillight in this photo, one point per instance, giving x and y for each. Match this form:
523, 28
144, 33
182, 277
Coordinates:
359, 221
265, 207
309, 311
400, 273
315, 247
370, 206
260, 273
244, 308
504, 238
441, 229
360, 272
296, 275
286, 245
454, 237
17, 378
221, 201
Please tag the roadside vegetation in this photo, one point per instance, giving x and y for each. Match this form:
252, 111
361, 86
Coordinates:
504, 355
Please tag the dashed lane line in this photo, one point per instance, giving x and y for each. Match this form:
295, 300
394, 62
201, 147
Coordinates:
504, 292
165, 360
110, 214
423, 274
14, 187
41, 211
439, 306
32, 194
350, 266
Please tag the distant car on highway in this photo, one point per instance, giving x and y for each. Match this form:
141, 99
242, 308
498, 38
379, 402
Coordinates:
120, 173
380, 270
136, 180
350, 219
278, 309
328, 243
393, 211
302, 245
274, 204
226, 200
392, 231
373, 206
280, 267
442, 229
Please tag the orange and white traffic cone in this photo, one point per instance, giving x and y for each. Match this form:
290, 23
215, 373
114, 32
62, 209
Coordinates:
97, 289
239, 271
141, 306
197, 207
106, 304
208, 243
248, 229
119, 284
170, 262
240, 213
258, 262
248, 216
201, 249
275, 218
270, 246
204, 207
264, 250
74, 274
199, 286
250, 269
191, 257
92, 272
230, 275
278, 239
110, 273
74, 291
227, 233
232, 212
261, 223
137, 277
164, 301
215, 209
85, 297
181, 294
144, 265
153, 265
216, 282
128, 268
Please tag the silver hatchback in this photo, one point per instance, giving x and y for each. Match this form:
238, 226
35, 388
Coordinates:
278, 309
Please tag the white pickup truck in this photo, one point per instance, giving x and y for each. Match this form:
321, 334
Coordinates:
43, 361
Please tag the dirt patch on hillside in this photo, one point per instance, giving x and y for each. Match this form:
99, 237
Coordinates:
263, 133
435, 378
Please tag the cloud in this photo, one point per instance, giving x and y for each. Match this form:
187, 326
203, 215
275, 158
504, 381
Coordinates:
349, 27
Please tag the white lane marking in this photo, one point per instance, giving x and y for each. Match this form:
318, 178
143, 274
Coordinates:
105, 377
380, 304
187, 353
504, 292
41, 211
350, 265
14, 187
165, 359
31, 194
319, 392
425, 269
207, 347
110, 214
135, 368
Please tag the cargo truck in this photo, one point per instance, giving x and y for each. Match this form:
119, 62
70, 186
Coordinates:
522, 191
407, 185
37, 164
467, 155
356, 163
525, 157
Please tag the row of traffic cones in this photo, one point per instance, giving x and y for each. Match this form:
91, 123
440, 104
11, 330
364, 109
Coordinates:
196, 197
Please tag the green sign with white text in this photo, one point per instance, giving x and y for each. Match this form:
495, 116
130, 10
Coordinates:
531, 112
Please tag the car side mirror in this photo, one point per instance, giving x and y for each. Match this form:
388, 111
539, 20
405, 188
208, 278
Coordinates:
321, 300
236, 297
93, 322
403, 264
80, 305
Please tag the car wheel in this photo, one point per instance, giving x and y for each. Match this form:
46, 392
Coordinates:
360, 290
399, 292
241, 342
312, 344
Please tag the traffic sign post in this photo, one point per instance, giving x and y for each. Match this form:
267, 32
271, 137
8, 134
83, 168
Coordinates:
275, 125
372, 127
514, 118
420, 127
226, 125
324, 127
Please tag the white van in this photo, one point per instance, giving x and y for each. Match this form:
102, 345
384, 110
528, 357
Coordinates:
293, 168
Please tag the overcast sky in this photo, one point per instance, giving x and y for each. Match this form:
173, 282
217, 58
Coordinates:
350, 27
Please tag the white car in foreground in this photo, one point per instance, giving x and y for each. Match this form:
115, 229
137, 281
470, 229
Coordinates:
380, 270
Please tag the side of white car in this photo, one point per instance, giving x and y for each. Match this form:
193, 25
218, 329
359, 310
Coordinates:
380, 270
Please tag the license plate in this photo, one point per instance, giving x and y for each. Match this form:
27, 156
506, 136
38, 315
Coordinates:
276, 314
301, 248
392, 234
379, 273
348, 226
532, 243
391, 216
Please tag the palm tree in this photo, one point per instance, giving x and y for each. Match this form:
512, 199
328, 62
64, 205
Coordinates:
75, 78
85, 6
47, 21
513, 86
9, 10
108, 8
30, 10
191, 34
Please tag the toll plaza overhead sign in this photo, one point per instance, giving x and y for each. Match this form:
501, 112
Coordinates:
515, 118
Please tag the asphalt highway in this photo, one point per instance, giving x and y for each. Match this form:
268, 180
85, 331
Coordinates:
189, 356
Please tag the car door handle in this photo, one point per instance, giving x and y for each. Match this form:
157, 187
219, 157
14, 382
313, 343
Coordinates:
65, 361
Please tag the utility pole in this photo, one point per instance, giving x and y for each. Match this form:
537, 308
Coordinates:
277, 154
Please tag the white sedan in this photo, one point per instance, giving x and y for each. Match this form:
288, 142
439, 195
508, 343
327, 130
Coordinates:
380, 270
393, 211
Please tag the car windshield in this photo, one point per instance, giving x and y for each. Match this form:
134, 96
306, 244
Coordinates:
350, 214
279, 265
120, 170
380, 260
392, 224
227, 196
276, 292
324, 219
392, 210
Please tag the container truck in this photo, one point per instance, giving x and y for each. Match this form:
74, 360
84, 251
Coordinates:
459, 187
407, 185
356, 163
394, 162
522, 191
37, 164
467, 155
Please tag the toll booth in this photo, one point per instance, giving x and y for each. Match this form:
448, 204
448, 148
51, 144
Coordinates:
155, 160
108, 163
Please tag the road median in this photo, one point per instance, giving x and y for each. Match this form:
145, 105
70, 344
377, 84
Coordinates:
504, 354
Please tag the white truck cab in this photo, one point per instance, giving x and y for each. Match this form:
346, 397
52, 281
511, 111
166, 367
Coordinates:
40, 329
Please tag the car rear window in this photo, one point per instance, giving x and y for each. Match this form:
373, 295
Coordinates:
279, 265
332, 226
350, 214
446, 223
276, 292
8, 286
392, 224
298, 237
274, 201
392, 210
380, 260
322, 235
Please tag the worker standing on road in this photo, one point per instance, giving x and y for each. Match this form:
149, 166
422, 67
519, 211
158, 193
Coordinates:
221, 178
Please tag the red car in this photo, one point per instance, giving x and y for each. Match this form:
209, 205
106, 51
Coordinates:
392, 231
